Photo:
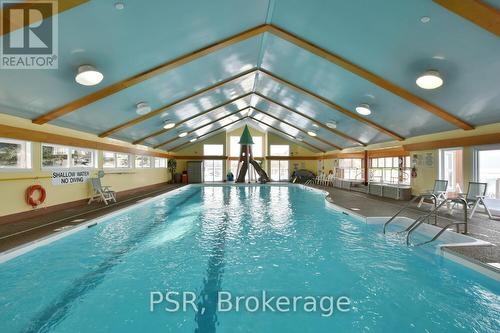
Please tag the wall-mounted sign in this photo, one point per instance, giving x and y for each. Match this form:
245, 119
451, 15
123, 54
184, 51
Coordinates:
67, 177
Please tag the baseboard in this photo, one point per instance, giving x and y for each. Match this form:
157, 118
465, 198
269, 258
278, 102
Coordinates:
11, 218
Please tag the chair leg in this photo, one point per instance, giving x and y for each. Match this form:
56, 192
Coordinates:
420, 202
474, 207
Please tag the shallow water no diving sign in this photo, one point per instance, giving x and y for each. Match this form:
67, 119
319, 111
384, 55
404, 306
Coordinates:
70, 177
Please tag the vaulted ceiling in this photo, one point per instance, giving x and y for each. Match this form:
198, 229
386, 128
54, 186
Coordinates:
290, 64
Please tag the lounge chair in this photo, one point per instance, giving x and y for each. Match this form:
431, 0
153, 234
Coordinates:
492, 208
473, 198
101, 193
437, 194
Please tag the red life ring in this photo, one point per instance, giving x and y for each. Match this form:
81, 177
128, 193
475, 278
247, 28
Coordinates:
29, 195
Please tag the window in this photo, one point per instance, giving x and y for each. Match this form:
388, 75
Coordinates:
279, 169
234, 146
350, 168
390, 170
279, 150
487, 168
212, 169
15, 154
115, 160
142, 161
213, 150
160, 162
450, 168
54, 156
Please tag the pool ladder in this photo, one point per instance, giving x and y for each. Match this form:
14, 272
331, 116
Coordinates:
425, 217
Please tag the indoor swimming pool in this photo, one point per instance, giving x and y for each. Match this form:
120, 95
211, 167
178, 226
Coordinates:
244, 241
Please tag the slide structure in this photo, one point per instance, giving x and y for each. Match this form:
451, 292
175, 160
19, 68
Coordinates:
246, 158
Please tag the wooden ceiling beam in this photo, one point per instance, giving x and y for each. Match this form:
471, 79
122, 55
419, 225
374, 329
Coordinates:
232, 100
334, 106
367, 75
285, 133
150, 73
208, 133
200, 127
334, 131
298, 129
478, 12
19, 22
167, 107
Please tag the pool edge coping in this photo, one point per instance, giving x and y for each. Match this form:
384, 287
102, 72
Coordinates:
46, 240
444, 250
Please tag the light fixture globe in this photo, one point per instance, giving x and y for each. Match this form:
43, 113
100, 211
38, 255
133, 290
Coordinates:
431, 79
312, 133
193, 139
143, 108
331, 124
88, 75
168, 124
363, 109
182, 134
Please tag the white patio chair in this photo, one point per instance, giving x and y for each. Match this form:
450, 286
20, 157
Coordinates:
101, 193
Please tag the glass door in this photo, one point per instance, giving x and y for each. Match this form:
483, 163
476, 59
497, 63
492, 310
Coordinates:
451, 169
487, 169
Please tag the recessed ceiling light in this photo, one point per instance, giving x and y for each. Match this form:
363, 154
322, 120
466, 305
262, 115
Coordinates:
168, 124
431, 79
88, 75
315, 125
119, 5
312, 133
425, 19
363, 109
183, 134
193, 139
332, 124
143, 108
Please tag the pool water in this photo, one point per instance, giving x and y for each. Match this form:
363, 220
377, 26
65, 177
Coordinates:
282, 240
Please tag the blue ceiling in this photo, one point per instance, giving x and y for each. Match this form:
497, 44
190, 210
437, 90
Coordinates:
385, 37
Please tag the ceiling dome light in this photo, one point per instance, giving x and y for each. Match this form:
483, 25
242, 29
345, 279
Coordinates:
312, 133
168, 124
299, 138
363, 109
193, 139
431, 79
143, 108
88, 76
315, 125
332, 124
119, 5
183, 134
425, 19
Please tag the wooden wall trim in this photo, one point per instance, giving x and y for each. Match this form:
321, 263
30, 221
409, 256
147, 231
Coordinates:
486, 139
39, 136
478, 12
391, 152
12, 218
200, 157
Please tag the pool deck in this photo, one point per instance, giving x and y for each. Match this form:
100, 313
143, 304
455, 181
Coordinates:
480, 226
17, 233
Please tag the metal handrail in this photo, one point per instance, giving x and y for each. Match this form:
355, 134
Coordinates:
400, 211
457, 224
422, 218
